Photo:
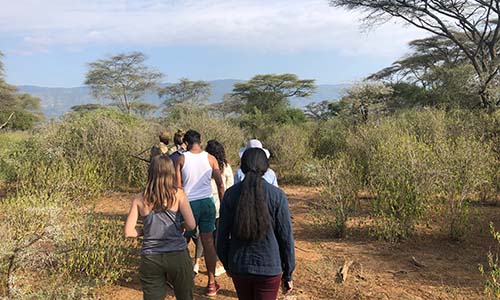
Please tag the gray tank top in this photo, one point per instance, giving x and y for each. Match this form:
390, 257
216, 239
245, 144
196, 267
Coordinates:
162, 233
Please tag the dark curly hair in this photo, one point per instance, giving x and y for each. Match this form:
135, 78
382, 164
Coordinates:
217, 150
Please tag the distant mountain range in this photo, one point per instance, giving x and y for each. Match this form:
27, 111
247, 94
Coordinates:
57, 101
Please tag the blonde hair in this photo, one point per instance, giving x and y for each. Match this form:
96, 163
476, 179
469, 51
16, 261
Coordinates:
160, 189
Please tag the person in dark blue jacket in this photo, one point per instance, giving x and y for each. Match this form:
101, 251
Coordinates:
255, 238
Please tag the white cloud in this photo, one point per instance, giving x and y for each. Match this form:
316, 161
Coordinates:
274, 26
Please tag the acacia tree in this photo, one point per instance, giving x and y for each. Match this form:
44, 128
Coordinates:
123, 79
324, 110
271, 92
17, 111
366, 99
264, 100
436, 72
186, 91
472, 25
426, 55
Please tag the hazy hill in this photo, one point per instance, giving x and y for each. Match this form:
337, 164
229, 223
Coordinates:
57, 101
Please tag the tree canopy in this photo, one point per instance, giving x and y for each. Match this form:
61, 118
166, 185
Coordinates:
17, 111
264, 100
440, 73
426, 54
470, 25
324, 110
186, 91
123, 79
271, 92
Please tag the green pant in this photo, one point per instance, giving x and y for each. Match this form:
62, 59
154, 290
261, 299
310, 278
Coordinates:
155, 268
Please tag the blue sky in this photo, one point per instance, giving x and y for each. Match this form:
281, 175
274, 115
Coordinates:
49, 43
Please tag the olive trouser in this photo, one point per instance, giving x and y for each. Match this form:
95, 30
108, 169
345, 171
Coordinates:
155, 268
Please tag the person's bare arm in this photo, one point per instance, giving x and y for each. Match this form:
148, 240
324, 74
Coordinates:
185, 209
130, 229
216, 175
178, 171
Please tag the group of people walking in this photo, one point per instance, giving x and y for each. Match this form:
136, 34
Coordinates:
190, 195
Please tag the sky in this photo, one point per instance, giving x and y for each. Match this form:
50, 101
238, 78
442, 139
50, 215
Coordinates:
50, 43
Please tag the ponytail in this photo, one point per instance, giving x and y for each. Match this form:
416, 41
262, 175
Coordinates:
252, 219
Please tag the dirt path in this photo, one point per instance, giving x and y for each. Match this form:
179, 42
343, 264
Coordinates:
380, 271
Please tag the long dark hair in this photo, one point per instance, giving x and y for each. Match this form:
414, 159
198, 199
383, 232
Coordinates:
217, 150
160, 189
252, 219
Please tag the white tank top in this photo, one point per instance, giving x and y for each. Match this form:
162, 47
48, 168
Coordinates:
196, 176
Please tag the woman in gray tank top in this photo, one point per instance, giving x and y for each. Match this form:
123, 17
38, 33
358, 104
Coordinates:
164, 249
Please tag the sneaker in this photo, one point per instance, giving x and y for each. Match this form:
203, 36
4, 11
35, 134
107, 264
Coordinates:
219, 271
212, 289
196, 268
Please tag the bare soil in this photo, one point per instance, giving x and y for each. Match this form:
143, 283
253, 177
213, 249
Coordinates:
448, 269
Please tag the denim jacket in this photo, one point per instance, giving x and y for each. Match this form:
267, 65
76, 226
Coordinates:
271, 256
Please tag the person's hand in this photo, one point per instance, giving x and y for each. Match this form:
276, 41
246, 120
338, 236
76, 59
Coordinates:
287, 287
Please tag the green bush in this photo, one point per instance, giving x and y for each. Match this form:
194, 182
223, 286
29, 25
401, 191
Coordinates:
58, 241
401, 181
340, 181
38, 172
9, 142
105, 136
492, 276
289, 145
329, 138
101, 253
463, 166
48, 227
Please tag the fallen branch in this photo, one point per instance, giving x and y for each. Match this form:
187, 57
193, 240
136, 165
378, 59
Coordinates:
140, 158
417, 263
6, 122
342, 272
302, 249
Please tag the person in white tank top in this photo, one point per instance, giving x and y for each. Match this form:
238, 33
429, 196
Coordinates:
195, 170
196, 175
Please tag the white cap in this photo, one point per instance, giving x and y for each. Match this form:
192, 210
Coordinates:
253, 144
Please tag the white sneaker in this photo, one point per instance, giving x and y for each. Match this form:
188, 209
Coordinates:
219, 271
196, 268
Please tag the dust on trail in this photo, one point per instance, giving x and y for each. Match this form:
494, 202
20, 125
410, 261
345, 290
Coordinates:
379, 271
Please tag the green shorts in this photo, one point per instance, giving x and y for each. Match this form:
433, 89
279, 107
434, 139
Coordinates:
204, 215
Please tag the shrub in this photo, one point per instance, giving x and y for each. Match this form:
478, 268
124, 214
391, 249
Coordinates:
58, 241
47, 227
101, 254
9, 142
463, 166
38, 172
329, 138
400, 178
107, 137
492, 276
289, 147
340, 182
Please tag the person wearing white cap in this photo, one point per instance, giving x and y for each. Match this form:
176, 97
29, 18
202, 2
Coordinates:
269, 176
